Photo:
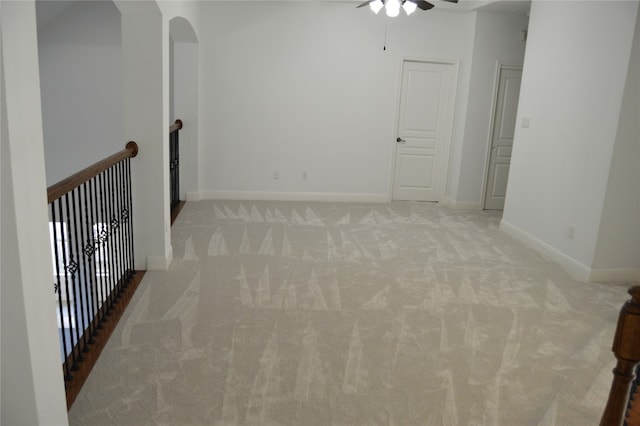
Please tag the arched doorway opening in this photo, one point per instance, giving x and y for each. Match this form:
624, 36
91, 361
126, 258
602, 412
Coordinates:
183, 104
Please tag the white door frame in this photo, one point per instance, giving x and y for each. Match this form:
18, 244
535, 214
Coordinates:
443, 177
487, 156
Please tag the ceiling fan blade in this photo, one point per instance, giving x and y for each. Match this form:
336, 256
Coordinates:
366, 3
422, 4
451, 1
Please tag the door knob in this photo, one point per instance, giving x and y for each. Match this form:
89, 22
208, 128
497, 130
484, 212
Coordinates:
400, 140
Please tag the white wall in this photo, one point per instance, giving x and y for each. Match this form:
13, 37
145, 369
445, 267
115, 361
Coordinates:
185, 108
145, 48
497, 40
294, 87
575, 69
31, 376
80, 56
91, 109
185, 96
618, 248
180, 21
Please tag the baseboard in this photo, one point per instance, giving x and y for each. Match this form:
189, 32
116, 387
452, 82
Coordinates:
462, 205
605, 275
160, 263
193, 196
293, 196
574, 268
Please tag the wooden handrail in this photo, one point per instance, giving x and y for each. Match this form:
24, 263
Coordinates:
626, 348
176, 126
57, 190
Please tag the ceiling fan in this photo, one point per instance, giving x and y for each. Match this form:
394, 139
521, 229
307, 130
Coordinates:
393, 6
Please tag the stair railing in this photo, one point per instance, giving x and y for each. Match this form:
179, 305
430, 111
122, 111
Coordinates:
91, 233
626, 348
174, 168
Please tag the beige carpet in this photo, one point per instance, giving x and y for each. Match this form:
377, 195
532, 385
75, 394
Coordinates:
354, 314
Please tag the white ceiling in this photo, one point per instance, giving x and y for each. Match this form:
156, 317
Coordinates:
519, 7
47, 10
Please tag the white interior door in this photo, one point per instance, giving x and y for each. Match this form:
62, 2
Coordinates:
424, 130
504, 124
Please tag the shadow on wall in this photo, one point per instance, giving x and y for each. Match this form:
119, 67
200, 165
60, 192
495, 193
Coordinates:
80, 56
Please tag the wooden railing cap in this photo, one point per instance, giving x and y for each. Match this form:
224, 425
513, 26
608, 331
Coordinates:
635, 294
133, 147
177, 125
57, 190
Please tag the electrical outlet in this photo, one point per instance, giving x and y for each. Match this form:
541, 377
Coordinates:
304, 175
276, 175
571, 232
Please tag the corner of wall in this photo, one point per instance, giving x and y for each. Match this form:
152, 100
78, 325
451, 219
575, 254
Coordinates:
160, 263
194, 196
461, 205
610, 275
574, 268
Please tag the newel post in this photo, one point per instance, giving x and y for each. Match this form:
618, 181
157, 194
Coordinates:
626, 348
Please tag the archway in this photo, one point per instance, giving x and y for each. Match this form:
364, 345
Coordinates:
80, 61
183, 102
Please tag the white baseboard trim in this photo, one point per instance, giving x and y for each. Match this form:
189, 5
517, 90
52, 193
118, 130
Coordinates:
605, 275
160, 263
293, 196
193, 196
574, 268
462, 205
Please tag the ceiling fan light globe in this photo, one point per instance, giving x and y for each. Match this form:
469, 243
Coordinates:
409, 7
376, 6
393, 8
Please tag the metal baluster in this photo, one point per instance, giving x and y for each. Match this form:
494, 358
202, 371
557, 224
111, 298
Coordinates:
172, 168
129, 191
96, 232
104, 236
171, 143
122, 273
118, 214
58, 288
90, 251
125, 222
107, 243
74, 365
84, 290
112, 229
177, 167
75, 275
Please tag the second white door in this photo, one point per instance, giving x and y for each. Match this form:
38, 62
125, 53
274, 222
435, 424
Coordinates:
424, 130
504, 124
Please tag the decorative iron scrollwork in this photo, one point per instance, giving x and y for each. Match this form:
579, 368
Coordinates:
72, 267
125, 214
89, 249
103, 236
114, 222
